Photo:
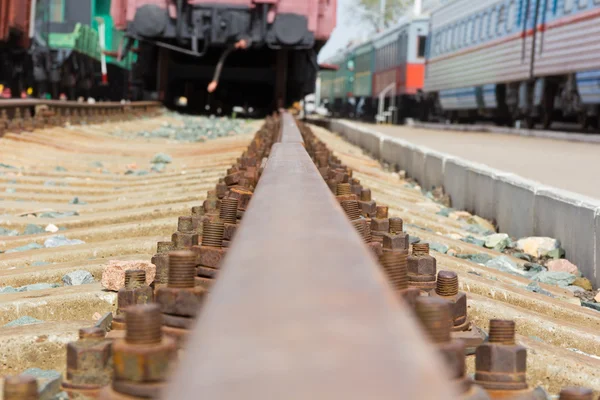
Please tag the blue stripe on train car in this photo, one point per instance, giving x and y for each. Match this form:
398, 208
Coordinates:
489, 96
588, 86
459, 99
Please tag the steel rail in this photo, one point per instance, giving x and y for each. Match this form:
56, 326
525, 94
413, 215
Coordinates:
301, 309
11, 103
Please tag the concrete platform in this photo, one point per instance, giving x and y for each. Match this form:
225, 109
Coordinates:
478, 172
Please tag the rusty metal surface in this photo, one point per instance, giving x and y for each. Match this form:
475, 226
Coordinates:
300, 309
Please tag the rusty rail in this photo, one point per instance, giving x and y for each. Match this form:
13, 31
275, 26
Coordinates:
26, 115
301, 309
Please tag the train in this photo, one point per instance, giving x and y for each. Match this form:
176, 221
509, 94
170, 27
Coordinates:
62, 49
531, 61
256, 54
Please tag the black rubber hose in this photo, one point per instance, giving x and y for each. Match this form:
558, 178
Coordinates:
217, 75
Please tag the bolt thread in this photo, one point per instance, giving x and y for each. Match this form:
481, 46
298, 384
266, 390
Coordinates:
182, 269
362, 227
212, 233
143, 323
351, 209
23, 387
228, 211
395, 265
447, 283
434, 314
343, 189
575, 393
368, 236
92, 333
135, 278
377, 238
502, 331
420, 249
396, 225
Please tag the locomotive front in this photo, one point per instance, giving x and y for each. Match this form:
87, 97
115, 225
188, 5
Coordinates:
255, 53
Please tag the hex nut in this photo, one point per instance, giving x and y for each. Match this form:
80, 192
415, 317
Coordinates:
421, 268
131, 296
184, 240
368, 208
210, 256
500, 366
395, 242
380, 225
229, 231
453, 353
161, 261
182, 302
458, 306
143, 363
89, 362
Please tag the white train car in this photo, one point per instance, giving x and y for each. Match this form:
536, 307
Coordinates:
536, 60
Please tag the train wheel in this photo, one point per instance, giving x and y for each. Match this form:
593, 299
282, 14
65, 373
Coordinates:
546, 119
583, 121
529, 122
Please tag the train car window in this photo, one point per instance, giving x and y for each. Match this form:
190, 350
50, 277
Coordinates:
492, 24
449, 39
463, 33
582, 4
596, 1
511, 16
501, 20
421, 46
57, 11
476, 28
568, 6
455, 36
469, 34
484, 22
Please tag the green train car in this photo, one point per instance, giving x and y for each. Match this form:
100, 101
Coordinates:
75, 50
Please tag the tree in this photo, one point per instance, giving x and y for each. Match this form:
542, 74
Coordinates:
369, 11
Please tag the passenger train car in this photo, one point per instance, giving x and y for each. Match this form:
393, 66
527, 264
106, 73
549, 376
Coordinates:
530, 60
391, 65
61, 47
226, 52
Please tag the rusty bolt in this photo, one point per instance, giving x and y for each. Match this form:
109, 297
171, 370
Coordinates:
21, 387
382, 212
396, 225
221, 189
501, 364
228, 211
576, 393
447, 289
135, 292
181, 297
144, 355
351, 209
380, 225
421, 267
343, 189
394, 264
89, 361
365, 195
212, 233
435, 318
393, 242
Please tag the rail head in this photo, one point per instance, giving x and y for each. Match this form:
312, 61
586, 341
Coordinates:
301, 309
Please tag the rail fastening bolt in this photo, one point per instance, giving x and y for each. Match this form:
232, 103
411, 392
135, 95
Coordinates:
20, 387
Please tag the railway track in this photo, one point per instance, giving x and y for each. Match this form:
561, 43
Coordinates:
293, 300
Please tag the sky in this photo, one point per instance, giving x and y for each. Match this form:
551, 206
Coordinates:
344, 31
